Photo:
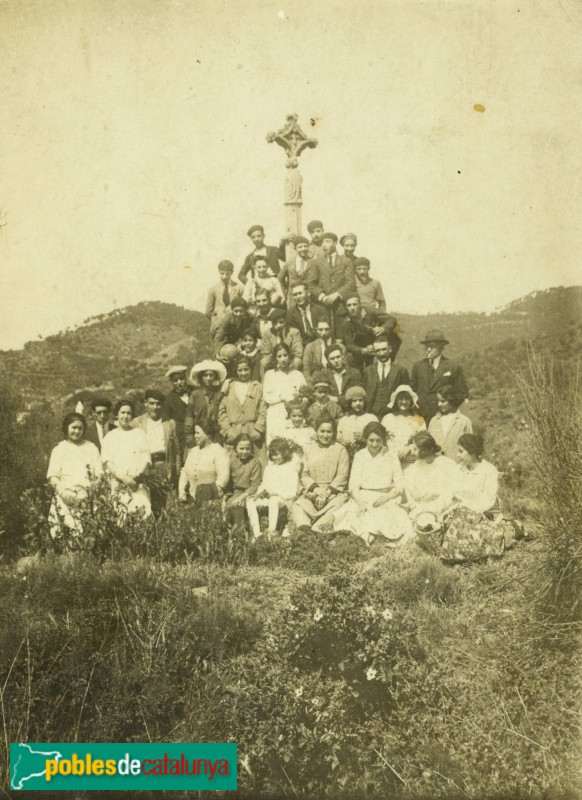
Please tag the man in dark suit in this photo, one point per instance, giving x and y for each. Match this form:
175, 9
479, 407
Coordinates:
101, 424
256, 233
433, 372
337, 282
362, 328
299, 269
383, 376
176, 402
340, 376
234, 322
305, 315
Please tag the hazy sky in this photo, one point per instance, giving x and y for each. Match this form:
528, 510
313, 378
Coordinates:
133, 155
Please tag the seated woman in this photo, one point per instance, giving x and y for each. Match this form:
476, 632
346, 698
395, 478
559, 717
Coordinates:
326, 468
243, 410
376, 486
403, 423
430, 481
206, 472
281, 385
351, 427
448, 423
246, 472
476, 527
126, 456
208, 377
278, 489
73, 471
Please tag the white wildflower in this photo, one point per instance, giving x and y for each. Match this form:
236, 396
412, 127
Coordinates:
318, 615
387, 615
291, 607
370, 610
299, 691
371, 673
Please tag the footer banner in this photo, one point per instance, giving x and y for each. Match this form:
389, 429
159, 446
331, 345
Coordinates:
68, 767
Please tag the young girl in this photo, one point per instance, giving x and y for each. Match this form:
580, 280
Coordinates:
278, 489
297, 430
245, 476
350, 427
262, 280
403, 423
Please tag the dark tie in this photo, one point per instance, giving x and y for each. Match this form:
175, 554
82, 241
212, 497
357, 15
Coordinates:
306, 323
226, 295
432, 368
330, 261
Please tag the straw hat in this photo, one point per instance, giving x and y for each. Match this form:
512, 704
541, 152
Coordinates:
206, 366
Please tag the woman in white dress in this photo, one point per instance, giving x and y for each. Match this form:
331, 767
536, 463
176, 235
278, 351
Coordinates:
430, 481
73, 471
403, 423
126, 457
448, 424
281, 385
376, 486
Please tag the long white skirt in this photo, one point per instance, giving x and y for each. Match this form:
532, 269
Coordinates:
389, 520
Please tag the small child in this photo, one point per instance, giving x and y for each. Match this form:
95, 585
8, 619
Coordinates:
262, 280
278, 489
248, 346
297, 429
245, 476
369, 290
350, 427
323, 405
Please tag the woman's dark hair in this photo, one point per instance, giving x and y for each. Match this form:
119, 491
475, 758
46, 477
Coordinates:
403, 393
120, 404
100, 402
325, 418
209, 427
473, 444
250, 331
73, 416
243, 437
449, 393
426, 444
375, 427
242, 359
280, 445
278, 347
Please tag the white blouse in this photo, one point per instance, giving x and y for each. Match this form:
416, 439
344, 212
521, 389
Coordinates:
76, 465
477, 488
378, 473
128, 451
281, 387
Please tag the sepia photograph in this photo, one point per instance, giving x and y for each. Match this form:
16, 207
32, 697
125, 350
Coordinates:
291, 402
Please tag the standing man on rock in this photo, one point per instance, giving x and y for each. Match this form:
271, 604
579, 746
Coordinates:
256, 233
337, 282
315, 229
433, 372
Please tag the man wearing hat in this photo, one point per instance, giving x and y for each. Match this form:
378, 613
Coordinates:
256, 233
369, 289
163, 447
336, 283
304, 315
234, 323
434, 372
299, 269
383, 376
281, 333
315, 229
176, 401
349, 242
361, 330
340, 376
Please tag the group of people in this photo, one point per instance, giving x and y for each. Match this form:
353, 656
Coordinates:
303, 412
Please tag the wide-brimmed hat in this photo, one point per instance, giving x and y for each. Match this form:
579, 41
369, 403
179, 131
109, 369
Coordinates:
434, 335
206, 366
399, 390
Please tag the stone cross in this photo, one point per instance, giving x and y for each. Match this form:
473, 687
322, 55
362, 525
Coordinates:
293, 141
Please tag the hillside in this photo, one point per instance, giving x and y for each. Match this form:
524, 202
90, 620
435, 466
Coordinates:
132, 347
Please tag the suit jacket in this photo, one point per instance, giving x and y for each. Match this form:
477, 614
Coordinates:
289, 277
295, 318
92, 436
215, 308
312, 359
249, 418
359, 333
229, 331
201, 408
173, 463
427, 385
352, 377
291, 337
249, 263
175, 408
397, 376
341, 279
